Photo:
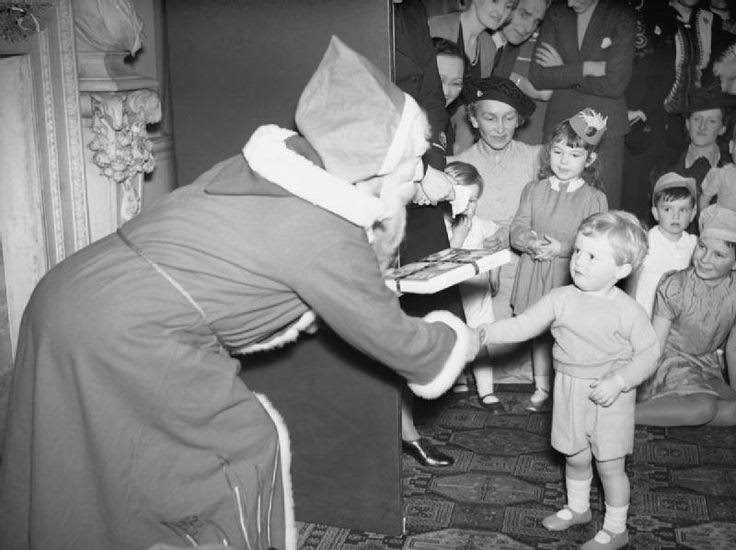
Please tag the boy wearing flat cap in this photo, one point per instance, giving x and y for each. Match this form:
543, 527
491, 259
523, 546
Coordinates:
670, 245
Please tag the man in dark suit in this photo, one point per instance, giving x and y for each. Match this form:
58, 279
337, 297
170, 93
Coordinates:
585, 54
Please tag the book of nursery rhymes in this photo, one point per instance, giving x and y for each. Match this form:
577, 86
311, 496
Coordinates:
443, 269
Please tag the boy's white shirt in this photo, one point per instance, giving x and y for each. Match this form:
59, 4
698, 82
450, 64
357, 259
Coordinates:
664, 255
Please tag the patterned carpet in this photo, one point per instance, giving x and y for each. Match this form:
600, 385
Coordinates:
506, 478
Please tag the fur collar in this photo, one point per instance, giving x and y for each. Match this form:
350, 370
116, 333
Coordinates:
267, 154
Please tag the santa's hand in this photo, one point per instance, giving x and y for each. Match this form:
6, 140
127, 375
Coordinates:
437, 186
607, 389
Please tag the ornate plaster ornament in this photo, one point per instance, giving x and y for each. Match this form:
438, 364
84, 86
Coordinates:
121, 146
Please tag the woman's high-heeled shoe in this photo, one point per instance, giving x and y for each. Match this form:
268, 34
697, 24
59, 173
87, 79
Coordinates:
427, 454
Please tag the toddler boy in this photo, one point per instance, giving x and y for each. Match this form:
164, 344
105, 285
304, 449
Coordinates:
670, 245
604, 347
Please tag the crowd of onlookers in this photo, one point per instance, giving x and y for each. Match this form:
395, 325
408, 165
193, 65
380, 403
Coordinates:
572, 126
660, 74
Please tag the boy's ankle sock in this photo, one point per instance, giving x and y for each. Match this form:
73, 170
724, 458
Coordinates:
578, 494
542, 382
615, 518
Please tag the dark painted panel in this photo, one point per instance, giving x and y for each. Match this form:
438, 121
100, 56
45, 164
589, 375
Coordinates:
237, 64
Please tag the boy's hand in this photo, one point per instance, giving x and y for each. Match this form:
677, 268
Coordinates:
481, 330
475, 343
607, 389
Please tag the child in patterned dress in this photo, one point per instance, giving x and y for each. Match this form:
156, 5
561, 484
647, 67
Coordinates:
694, 317
604, 347
544, 227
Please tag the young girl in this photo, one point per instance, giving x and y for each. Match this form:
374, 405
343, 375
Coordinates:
605, 346
543, 230
694, 316
466, 230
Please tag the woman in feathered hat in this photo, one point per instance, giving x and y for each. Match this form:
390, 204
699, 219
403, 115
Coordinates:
128, 421
497, 107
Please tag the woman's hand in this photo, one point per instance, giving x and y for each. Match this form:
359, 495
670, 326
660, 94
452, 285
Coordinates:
435, 187
546, 56
607, 389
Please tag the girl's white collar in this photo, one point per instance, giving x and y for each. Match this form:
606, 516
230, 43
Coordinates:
572, 185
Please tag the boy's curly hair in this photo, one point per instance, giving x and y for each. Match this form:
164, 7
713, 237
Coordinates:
564, 133
625, 234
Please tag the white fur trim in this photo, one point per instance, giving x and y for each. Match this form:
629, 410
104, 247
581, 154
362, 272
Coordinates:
455, 362
290, 535
289, 336
401, 137
268, 155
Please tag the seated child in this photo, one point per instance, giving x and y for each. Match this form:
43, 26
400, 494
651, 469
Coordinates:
670, 245
694, 316
604, 347
466, 230
721, 181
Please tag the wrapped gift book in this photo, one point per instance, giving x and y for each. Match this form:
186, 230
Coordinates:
443, 269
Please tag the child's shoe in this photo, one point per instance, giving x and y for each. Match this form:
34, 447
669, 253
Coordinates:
606, 540
538, 401
562, 519
461, 385
490, 402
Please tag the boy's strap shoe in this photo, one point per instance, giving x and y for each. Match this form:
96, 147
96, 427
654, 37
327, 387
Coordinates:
562, 519
607, 540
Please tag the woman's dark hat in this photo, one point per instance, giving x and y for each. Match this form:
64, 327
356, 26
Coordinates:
711, 97
500, 89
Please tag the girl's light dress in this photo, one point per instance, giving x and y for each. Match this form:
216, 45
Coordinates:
702, 317
476, 292
557, 213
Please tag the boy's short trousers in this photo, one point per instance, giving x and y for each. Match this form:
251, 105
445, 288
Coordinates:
578, 423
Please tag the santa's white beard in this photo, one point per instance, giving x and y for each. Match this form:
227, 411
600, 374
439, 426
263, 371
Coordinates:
387, 236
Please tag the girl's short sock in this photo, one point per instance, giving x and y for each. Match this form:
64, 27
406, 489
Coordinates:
615, 518
578, 495
541, 382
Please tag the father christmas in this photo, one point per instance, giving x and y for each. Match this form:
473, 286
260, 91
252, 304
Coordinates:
127, 415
